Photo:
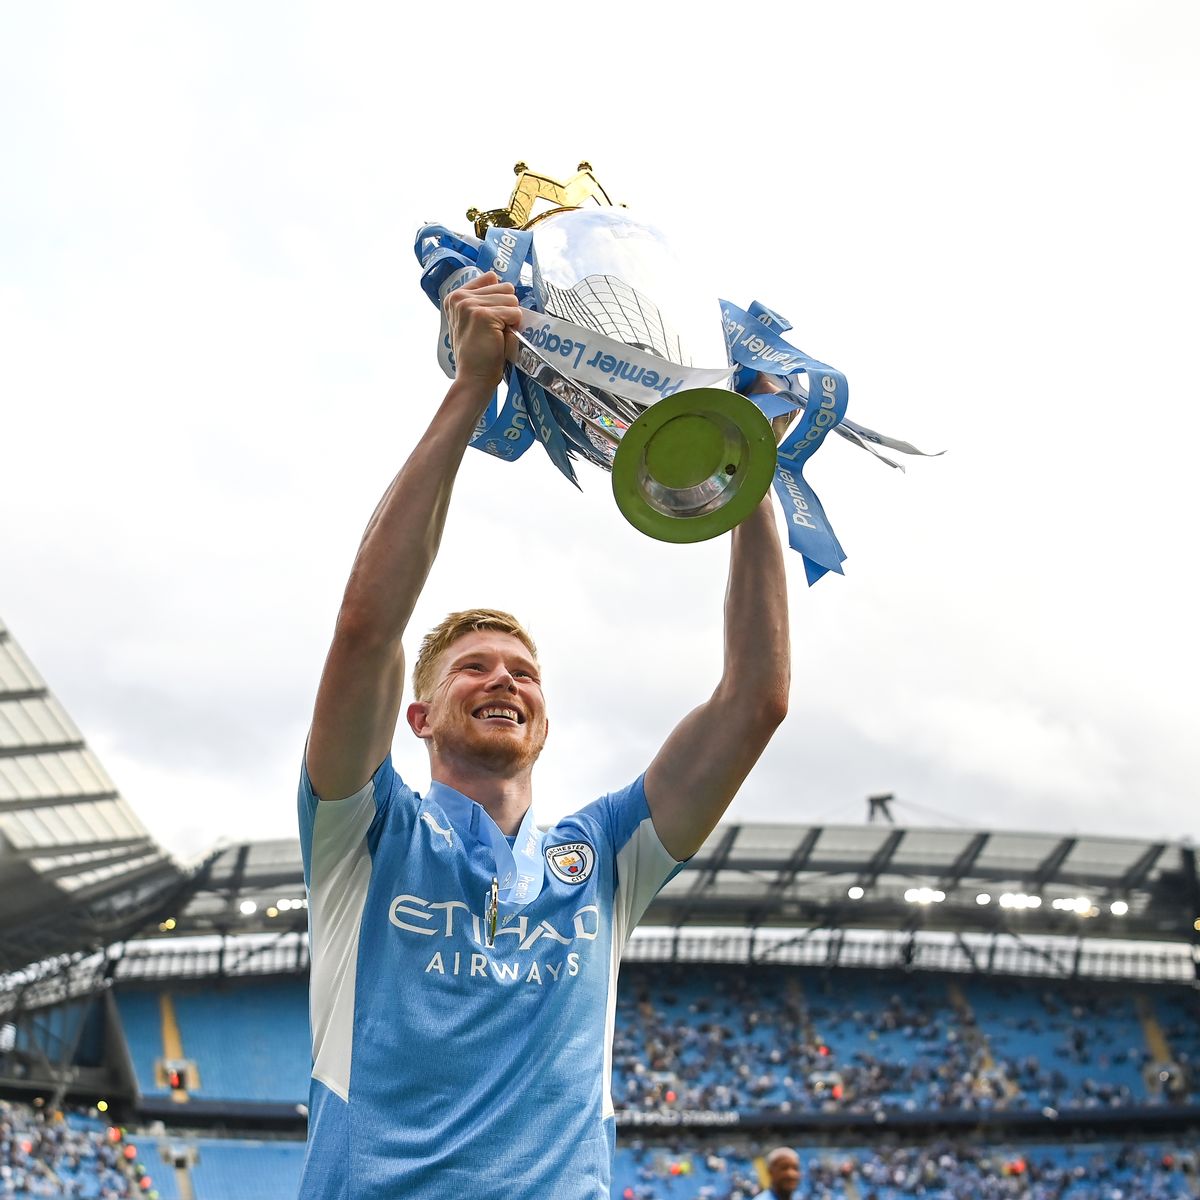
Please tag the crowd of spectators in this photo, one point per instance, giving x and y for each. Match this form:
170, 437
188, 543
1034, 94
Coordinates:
943, 1170
702, 1037
43, 1157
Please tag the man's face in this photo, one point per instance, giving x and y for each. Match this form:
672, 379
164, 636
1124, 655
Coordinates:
784, 1174
487, 704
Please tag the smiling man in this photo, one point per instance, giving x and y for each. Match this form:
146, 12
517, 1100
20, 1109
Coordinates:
464, 961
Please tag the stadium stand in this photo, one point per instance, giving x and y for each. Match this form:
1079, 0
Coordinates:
898, 1004
265, 1063
245, 1170
860, 1041
941, 1170
772, 1040
46, 1157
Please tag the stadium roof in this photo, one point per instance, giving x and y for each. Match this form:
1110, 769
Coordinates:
77, 867
78, 871
798, 876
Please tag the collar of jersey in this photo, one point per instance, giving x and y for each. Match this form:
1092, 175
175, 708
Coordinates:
520, 868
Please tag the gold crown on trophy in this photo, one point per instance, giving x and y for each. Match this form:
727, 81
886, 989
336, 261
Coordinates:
532, 187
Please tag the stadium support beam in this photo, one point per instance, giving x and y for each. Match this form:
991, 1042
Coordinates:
1051, 864
22, 803
962, 865
797, 862
1191, 883
1034, 949
55, 851
1136, 875
237, 876
132, 852
24, 751
965, 947
772, 949
705, 877
881, 859
837, 938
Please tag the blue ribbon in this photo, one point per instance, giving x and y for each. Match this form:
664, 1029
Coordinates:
505, 251
526, 416
441, 252
520, 868
754, 343
755, 346
505, 432
544, 425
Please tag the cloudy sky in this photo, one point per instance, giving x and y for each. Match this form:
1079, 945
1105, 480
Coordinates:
214, 355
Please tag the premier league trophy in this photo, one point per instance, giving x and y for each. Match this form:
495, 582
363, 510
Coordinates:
623, 359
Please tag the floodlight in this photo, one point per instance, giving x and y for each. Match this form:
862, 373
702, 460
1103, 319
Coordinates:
856, 893
1118, 908
248, 908
983, 898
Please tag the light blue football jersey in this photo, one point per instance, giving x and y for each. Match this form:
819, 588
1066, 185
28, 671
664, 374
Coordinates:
444, 1067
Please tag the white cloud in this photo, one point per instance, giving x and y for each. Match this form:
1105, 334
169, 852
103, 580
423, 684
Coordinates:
215, 355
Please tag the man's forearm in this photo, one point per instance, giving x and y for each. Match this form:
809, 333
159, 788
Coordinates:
711, 751
757, 647
402, 538
362, 684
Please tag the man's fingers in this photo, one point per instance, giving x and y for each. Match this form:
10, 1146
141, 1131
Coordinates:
486, 284
492, 289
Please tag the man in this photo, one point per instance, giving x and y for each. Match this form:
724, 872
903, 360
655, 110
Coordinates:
463, 964
783, 1171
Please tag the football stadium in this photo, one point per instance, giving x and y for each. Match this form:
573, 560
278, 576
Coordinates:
933, 1012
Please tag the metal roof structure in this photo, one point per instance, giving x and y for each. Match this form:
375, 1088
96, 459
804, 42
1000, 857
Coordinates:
79, 872
77, 867
795, 876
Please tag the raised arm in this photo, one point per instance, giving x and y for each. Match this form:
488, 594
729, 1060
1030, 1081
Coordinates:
703, 763
358, 700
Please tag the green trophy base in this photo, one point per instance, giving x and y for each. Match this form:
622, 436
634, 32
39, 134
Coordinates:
694, 465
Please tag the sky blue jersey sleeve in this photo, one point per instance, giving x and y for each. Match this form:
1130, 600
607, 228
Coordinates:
641, 864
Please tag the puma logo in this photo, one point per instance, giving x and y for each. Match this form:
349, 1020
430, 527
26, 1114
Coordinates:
428, 818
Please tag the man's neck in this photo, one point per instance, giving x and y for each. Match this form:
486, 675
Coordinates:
505, 800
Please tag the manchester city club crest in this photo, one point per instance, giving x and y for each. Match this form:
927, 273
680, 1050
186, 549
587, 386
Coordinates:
571, 862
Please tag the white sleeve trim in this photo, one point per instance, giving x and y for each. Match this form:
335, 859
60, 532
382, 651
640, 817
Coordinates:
642, 865
340, 875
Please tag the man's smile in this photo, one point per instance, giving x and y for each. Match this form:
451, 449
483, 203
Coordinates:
502, 712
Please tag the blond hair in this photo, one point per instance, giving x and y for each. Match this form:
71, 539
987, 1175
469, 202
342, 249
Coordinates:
448, 631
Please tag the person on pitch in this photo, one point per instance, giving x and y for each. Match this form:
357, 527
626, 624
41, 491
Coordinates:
783, 1171
464, 962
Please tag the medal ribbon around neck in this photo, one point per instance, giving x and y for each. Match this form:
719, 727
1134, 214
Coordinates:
520, 868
